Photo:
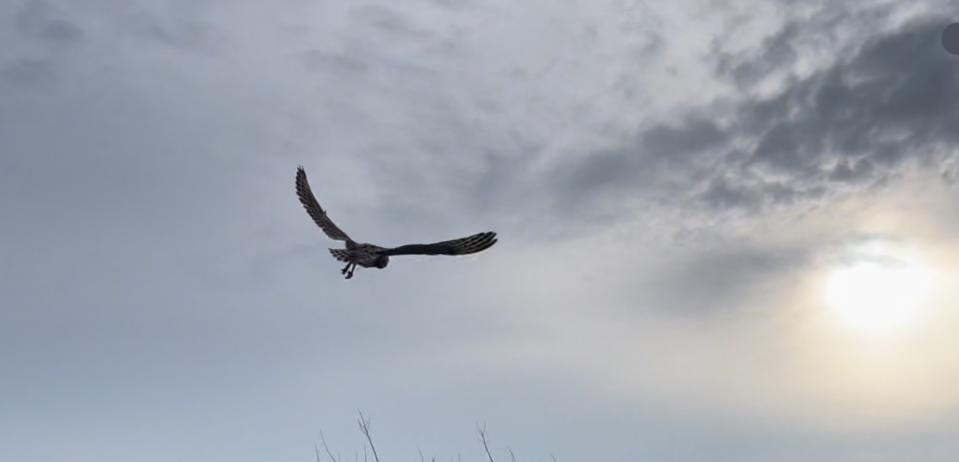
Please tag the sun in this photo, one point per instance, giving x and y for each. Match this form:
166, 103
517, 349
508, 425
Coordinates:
877, 296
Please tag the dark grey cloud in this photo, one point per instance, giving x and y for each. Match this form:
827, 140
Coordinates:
187, 35
387, 21
329, 62
777, 52
26, 71
724, 194
852, 125
184, 29
656, 150
894, 101
39, 19
827, 26
721, 278
43, 36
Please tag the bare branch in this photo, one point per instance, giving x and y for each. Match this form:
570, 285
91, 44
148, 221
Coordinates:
512, 457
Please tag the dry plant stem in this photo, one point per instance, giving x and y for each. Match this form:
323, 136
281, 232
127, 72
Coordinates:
325, 448
482, 434
365, 428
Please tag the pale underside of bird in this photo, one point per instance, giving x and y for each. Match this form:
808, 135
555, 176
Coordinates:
374, 256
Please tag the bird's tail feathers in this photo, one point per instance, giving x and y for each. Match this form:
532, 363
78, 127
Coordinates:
341, 254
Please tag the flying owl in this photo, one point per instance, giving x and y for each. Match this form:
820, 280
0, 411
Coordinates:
374, 256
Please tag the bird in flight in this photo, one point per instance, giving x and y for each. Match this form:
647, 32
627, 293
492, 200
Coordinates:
374, 256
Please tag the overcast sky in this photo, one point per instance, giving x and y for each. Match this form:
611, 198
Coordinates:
673, 183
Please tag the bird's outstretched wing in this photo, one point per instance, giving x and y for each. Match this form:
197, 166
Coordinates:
313, 208
462, 246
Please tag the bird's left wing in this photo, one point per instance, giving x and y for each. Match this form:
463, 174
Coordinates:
461, 246
313, 208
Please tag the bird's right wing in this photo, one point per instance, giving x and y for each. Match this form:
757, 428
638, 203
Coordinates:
462, 246
313, 208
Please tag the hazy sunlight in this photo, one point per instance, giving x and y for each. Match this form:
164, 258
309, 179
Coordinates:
875, 297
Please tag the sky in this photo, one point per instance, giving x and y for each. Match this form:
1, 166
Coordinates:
725, 230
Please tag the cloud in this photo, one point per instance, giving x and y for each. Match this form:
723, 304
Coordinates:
183, 33
323, 61
27, 71
156, 262
657, 151
722, 280
799, 130
386, 21
43, 37
892, 102
41, 20
852, 125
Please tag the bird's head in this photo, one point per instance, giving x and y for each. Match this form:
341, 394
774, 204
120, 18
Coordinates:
382, 261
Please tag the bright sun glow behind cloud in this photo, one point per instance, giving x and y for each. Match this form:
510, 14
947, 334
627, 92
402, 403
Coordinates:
878, 296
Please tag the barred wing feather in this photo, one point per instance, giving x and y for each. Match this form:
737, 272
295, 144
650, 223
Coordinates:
461, 246
313, 208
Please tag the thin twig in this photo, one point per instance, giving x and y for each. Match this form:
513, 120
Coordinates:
326, 448
512, 457
365, 428
482, 434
